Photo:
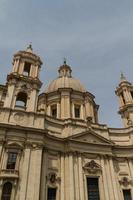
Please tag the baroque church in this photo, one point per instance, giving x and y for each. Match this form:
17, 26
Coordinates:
52, 146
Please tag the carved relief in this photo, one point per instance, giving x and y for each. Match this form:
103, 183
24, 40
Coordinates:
92, 167
125, 181
52, 178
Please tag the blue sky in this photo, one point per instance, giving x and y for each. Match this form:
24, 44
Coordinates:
96, 37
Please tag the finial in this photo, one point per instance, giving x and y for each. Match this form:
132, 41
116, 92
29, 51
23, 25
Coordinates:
123, 78
29, 48
64, 61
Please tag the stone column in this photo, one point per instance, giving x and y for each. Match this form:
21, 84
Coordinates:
43, 188
109, 181
65, 104
48, 110
71, 175
131, 173
105, 184
9, 97
82, 111
24, 166
113, 178
88, 109
67, 194
21, 68
81, 183
36, 71
31, 71
31, 103
33, 185
62, 191
76, 177
58, 110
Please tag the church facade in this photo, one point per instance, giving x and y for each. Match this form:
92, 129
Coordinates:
52, 146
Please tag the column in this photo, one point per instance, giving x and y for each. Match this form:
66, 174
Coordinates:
58, 110
48, 110
128, 95
1, 147
31, 71
62, 191
76, 177
113, 178
31, 102
62, 106
71, 175
36, 72
43, 175
131, 173
92, 113
21, 68
24, 166
109, 181
33, 185
9, 97
73, 113
67, 194
81, 183
105, 184
82, 111
88, 109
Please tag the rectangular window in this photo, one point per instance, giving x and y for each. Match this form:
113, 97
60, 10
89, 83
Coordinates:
127, 194
11, 161
77, 111
54, 111
93, 189
51, 194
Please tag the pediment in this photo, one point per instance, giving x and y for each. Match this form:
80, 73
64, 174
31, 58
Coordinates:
91, 137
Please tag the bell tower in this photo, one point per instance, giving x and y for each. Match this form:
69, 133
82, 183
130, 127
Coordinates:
23, 82
124, 91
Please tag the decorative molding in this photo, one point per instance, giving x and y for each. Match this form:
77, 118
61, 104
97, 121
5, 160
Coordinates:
125, 181
92, 167
52, 178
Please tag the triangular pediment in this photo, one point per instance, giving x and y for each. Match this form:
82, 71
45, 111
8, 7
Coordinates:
91, 137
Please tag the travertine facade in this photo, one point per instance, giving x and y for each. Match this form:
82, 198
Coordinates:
52, 146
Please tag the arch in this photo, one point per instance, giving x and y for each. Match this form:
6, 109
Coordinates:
27, 68
21, 100
6, 191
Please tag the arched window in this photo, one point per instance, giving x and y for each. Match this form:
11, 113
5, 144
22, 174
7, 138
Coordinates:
6, 192
27, 67
21, 100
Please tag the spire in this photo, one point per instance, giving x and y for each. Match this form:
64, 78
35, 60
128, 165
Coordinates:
122, 77
29, 48
64, 61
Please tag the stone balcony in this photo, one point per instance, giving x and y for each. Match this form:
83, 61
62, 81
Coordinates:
9, 173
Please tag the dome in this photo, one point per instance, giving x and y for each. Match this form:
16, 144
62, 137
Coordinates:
65, 80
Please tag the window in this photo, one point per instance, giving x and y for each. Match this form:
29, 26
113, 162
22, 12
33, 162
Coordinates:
127, 194
21, 100
11, 161
93, 189
77, 111
54, 111
132, 94
51, 194
6, 192
27, 67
